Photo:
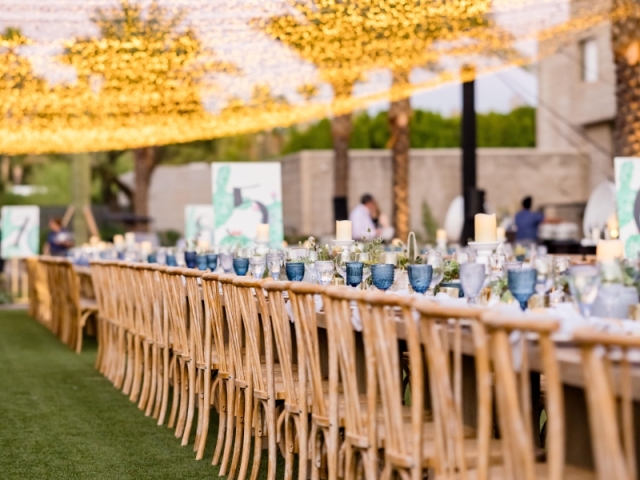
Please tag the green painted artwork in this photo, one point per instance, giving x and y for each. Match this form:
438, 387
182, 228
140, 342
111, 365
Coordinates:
20, 231
198, 223
627, 171
244, 196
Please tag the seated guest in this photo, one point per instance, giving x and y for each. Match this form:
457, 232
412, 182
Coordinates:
527, 222
362, 218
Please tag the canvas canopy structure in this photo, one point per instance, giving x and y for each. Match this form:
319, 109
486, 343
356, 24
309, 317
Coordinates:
91, 75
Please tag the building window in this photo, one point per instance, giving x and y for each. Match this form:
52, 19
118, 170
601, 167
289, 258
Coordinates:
589, 63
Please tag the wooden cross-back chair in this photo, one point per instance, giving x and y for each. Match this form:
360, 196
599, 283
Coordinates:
216, 351
239, 392
161, 352
322, 400
511, 355
127, 290
414, 443
609, 362
266, 371
39, 299
116, 319
97, 278
360, 418
292, 425
176, 296
49, 274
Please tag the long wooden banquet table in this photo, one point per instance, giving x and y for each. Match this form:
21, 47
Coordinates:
578, 437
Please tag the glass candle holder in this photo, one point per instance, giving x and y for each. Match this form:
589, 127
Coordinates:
295, 271
241, 266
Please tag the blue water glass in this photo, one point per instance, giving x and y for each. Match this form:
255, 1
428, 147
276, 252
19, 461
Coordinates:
522, 283
121, 254
201, 261
295, 271
151, 258
354, 273
382, 276
212, 261
241, 266
171, 260
420, 277
191, 259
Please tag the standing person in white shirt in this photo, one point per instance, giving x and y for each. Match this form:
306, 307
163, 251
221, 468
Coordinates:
362, 218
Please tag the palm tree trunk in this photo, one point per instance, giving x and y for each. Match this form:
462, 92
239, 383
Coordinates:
341, 127
625, 39
399, 115
145, 164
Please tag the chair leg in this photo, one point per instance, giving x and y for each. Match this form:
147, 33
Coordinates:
206, 413
223, 409
258, 423
200, 399
129, 366
184, 399
153, 387
304, 445
146, 375
137, 369
289, 445
165, 386
237, 430
177, 387
120, 360
247, 431
191, 395
271, 419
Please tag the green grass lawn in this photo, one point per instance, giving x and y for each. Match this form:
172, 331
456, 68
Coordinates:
59, 418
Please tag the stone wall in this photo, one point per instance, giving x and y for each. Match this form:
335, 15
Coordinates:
505, 174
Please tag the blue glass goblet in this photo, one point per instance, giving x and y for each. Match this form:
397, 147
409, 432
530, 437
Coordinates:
241, 266
212, 261
354, 273
295, 271
171, 260
201, 260
151, 258
191, 259
522, 283
382, 275
420, 277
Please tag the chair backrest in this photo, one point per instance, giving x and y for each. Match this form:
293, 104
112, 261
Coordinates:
159, 318
196, 326
237, 358
511, 347
386, 319
302, 297
610, 384
176, 303
257, 332
443, 335
285, 341
216, 321
360, 420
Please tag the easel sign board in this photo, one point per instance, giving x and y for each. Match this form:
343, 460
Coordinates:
246, 194
198, 223
20, 231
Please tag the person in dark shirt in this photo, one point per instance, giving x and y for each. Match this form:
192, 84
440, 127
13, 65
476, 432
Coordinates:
58, 239
527, 222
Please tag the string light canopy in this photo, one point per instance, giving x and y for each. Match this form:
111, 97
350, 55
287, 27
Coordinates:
92, 75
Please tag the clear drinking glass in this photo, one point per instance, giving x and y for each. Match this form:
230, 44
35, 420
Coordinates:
324, 271
472, 280
257, 265
274, 262
545, 276
435, 260
226, 262
497, 261
584, 282
341, 263
365, 258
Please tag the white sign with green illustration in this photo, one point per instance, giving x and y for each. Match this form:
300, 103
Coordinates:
20, 231
198, 223
627, 172
244, 196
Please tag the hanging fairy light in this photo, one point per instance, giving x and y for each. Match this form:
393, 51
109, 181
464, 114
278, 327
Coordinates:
115, 74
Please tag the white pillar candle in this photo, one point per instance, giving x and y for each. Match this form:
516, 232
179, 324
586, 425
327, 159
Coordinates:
485, 228
441, 235
203, 245
262, 232
343, 230
118, 240
390, 258
608, 250
130, 238
146, 248
501, 234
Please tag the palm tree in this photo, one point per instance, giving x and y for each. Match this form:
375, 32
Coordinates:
625, 40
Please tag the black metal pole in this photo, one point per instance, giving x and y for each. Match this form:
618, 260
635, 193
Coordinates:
473, 199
